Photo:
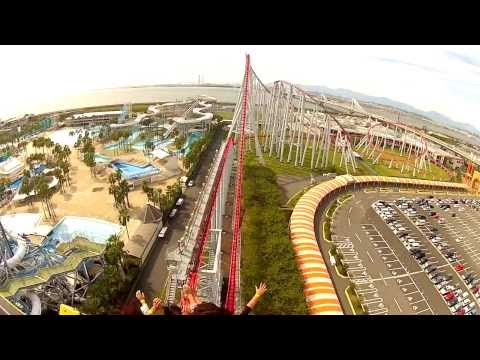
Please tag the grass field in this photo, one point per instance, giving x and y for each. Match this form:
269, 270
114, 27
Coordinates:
288, 168
382, 167
226, 115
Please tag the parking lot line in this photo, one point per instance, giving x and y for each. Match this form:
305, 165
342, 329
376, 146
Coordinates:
425, 230
358, 237
398, 306
381, 275
368, 254
419, 312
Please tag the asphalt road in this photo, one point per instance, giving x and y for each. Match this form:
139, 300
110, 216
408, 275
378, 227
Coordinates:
153, 275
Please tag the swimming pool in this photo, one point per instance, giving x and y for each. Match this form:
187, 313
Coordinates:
16, 184
192, 138
156, 143
39, 169
70, 227
130, 171
102, 159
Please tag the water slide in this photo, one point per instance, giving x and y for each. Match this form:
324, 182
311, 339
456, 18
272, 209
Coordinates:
19, 254
36, 303
170, 130
156, 109
198, 111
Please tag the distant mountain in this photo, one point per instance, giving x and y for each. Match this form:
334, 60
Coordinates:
432, 115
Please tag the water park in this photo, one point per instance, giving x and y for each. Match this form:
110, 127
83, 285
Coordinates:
62, 205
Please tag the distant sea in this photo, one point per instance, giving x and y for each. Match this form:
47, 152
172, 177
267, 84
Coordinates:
145, 94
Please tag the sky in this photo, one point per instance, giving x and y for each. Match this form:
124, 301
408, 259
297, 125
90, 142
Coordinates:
445, 79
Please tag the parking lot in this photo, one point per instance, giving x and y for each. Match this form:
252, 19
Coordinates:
410, 256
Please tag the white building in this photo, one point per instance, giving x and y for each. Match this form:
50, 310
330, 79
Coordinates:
11, 169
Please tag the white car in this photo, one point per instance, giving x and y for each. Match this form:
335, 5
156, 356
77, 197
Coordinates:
172, 214
162, 232
456, 307
179, 202
470, 306
444, 290
462, 296
466, 301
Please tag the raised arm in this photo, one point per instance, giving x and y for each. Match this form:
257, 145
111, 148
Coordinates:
259, 291
144, 306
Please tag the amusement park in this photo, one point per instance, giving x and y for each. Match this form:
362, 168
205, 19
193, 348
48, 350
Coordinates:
281, 200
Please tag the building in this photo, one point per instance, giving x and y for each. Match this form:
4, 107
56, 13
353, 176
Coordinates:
141, 241
11, 169
94, 118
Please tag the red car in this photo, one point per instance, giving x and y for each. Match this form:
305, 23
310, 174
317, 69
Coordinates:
460, 312
449, 296
459, 267
475, 289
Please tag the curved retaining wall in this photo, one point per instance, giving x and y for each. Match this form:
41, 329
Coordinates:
319, 291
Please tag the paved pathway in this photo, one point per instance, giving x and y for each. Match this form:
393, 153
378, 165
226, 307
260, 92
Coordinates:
153, 276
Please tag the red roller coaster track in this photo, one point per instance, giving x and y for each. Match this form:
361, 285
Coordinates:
206, 224
234, 258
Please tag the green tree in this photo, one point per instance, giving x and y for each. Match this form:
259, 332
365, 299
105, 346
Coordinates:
124, 218
27, 186
179, 141
111, 287
124, 188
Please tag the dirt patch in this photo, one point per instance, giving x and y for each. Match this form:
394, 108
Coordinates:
96, 189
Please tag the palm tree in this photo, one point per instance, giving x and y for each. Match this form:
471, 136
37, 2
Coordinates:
115, 255
125, 189
40, 187
27, 186
169, 193
124, 218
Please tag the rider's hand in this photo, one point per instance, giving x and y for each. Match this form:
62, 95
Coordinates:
140, 295
260, 290
156, 303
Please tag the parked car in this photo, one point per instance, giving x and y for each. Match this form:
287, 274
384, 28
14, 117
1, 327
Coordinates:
162, 232
172, 213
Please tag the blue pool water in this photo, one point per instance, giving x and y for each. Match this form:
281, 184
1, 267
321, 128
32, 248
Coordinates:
15, 185
39, 169
192, 138
130, 171
69, 227
102, 159
4, 157
157, 144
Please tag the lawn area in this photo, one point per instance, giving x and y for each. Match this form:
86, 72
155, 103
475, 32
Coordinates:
267, 253
437, 173
226, 115
354, 300
382, 167
288, 168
